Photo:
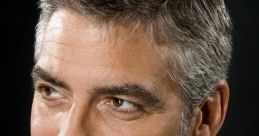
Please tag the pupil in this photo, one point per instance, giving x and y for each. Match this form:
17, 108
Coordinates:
117, 102
48, 91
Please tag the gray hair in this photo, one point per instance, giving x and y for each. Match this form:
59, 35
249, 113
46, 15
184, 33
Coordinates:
195, 35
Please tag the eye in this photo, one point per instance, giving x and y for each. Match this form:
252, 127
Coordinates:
121, 108
50, 96
124, 105
49, 93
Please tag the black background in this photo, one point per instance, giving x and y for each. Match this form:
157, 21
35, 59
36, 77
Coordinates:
19, 17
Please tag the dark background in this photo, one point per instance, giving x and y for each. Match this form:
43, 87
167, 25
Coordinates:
19, 18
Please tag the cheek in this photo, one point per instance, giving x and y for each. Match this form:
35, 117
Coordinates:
42, 122
162, 125
155, 125
167, 123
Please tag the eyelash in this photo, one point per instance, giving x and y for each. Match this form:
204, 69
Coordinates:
113, 102
131, 110
45, 92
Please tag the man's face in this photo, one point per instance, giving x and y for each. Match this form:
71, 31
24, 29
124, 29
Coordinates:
92, 83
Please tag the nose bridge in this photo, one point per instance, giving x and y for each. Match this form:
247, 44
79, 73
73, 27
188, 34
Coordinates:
74, 122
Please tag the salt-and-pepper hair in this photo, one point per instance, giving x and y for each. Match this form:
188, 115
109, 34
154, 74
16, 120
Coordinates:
194, 35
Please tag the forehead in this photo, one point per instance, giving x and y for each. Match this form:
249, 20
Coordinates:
76, 47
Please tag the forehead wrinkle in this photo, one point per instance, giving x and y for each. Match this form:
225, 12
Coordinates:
152, 78
155, 77
54, 48
111, 69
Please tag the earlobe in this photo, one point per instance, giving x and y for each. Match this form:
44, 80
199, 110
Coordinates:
210, 115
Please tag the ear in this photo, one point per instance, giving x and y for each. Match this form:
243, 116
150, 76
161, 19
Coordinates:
210, 115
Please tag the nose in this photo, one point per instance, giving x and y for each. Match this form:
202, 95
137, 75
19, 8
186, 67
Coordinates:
73, 122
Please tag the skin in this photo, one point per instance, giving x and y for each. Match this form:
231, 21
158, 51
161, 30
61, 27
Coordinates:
90, 82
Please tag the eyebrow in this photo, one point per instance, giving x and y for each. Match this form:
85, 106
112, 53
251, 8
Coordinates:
135, 91
39, 73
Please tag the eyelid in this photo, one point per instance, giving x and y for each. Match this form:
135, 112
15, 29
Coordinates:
141, 104
43, 83
107, 108
59, 102
136, 93
138, 106
53, 90
130, 99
